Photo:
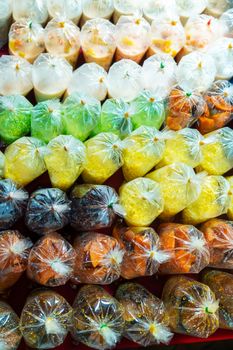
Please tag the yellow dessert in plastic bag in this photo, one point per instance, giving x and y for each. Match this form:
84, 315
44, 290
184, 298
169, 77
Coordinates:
230, 208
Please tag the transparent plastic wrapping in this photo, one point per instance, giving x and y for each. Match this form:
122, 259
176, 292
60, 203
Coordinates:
2, 164
183, 146
99, 259
65, 159
143, 254
26, 39
13, 202
187, 8
98, 41
217, 152
213, 200
62, 39
24, 160
217, 7
191, 306
97, 9
94, 207
184, 108
230, 194
45, 320
142, 150
51, 76
70, 9
227, 21
156, 9
196, 71
15, 117
146, 320
36, 10
51, 261
179, 185
46, 121
98, 318
5, 20
80, 115
89, 79
125, 8
159, 74
222, 54
133, 34
48, 210
124, 80
10, 335
219, 236
15, 76
186, 246
142, 201
14, 253
221, 283
104, 157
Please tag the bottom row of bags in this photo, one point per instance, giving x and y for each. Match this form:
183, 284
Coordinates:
99, 320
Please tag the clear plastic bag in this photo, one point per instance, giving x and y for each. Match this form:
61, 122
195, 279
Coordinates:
13, 202
104, 157
65, 159
26, 39
186, 246
45, 320
230, 194
70, 9
14, 254
217, 7
187, 8
94, 207
15, 117
98, 318
156, 9
48, 210
10, 335
97, 9
99, 259
80, 115
24, 160
126, 8
51, 261
191, 306
142, 201
5, 20
213, 200
222, 53
15, 76
227, 21
143, 254
36, 10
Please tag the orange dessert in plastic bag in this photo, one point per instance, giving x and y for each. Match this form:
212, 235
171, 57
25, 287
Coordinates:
99, 259
191, 306
143, 253
10, 335
51, 261
187, 247
13, 257
146, 321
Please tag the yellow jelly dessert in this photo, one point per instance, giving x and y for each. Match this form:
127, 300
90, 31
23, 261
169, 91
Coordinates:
230, 209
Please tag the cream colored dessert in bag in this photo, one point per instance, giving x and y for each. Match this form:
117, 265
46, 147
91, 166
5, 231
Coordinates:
126, 8
96, 9
36, 10
70, 9
190, 8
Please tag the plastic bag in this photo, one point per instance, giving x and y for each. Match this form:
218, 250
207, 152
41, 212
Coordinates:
5, 20
89, 79
191, 306
104, 157
14, 254
187, 8
94, 207
230, 194
15, 76
99, 259
97, 9
70, 9
142, 150
143, 253
80, 115
36, 10
142, 201
15, 117
46, 121
2, 164
26, 39
98, 41
227, 21
65, 160
145, 316
179, 186
125, 8
48, 210
45, 320
156, 9
217, 7
217, 152
51, 76
125, 80
98, 318
222, 54
219, 236
183, 146
10, 335
62, 38
13, 202
186, 246
213, 200
133, 34
24, 160
184, 108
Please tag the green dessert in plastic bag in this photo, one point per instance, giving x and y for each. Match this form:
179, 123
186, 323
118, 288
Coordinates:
2, 164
